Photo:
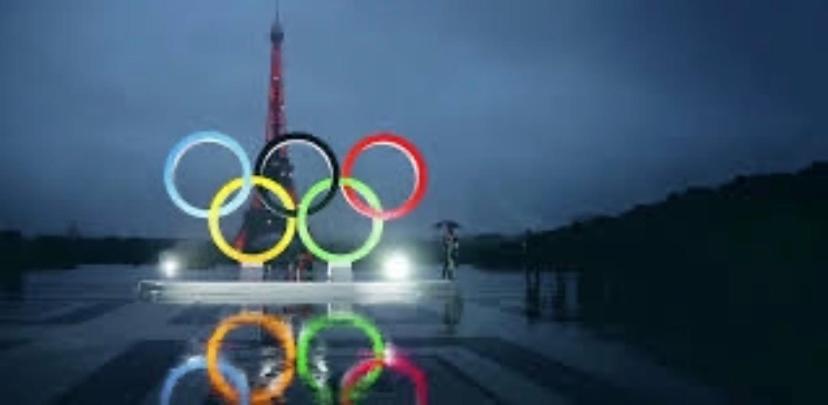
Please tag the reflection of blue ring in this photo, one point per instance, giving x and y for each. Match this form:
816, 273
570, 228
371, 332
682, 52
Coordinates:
207, 137
235, 375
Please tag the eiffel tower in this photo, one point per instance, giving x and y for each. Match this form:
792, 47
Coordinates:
260, 224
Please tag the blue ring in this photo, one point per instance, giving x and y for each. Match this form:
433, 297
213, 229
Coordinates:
235, 375
192, 140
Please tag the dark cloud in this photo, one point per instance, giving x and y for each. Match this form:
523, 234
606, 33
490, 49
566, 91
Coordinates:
530, 112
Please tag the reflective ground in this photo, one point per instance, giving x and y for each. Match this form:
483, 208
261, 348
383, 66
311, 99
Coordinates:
81, 336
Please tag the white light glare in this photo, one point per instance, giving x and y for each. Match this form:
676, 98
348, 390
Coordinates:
169, 266
397, 266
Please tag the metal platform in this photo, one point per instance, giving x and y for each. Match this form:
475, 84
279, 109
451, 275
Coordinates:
271, 292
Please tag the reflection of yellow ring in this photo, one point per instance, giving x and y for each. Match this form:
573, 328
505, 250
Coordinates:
274, 326
215, 229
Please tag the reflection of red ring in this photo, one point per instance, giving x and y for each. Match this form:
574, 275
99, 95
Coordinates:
417, 163
393, 362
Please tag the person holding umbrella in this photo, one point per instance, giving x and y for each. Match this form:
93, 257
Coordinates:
451, 247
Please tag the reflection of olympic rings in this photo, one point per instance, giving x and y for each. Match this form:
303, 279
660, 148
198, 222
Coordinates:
316, 325
308, 139
313, 247
393, 362
178, 152
353, 384
236, 376
276, 328
417, 163
215, 230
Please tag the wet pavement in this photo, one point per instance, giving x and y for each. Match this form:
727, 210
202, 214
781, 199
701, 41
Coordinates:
82, 336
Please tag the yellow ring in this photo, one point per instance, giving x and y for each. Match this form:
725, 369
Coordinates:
215, 228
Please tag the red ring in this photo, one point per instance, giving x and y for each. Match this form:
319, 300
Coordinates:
417, 163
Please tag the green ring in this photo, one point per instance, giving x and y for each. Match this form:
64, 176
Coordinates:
305, 236
316, 325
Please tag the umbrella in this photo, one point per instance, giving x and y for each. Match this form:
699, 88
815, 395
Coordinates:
447, 223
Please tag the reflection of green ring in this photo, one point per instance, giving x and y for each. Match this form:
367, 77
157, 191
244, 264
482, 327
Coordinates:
320, 323
305, 236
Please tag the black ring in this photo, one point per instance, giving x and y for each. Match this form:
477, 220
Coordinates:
267, 153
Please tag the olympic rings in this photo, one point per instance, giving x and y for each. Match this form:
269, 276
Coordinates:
276, 328
308, 139
393, 362
313, 247
350, 187
215, 229
316, 325
191, 141
417, 164
236, 376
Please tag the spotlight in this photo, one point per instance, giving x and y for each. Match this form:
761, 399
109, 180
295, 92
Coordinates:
397, 266
169, 265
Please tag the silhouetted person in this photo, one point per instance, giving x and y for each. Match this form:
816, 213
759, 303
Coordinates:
531, 261
451, 246
531, 267
302, 267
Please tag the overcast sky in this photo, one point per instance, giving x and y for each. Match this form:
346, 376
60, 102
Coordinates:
529, 112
